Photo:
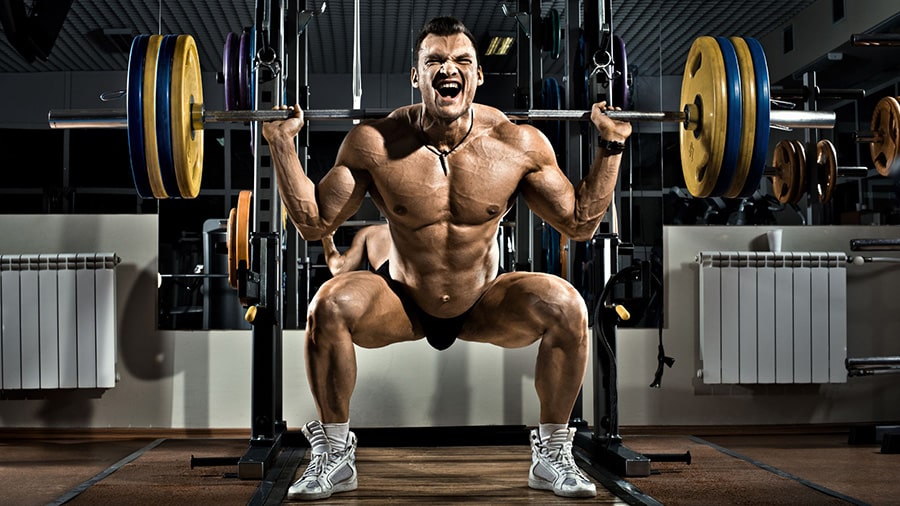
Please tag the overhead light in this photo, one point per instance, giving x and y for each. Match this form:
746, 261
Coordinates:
499, 45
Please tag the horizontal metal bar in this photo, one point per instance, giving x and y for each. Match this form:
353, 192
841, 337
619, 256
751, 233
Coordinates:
802, 119
853, 171
797, 94
873, 361
117, 118
875, 39
88, 118
877, 244
866, 137
841, 171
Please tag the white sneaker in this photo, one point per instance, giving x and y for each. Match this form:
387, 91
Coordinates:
553, 468
328, 472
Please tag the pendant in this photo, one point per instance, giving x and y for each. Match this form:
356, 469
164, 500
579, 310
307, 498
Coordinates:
443, 158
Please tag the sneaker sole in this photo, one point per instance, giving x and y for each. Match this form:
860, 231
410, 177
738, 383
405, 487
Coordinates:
545, 485
341, 487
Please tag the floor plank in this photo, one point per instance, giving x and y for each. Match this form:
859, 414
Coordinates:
449, 475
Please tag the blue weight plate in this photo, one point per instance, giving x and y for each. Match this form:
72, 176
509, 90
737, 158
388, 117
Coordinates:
164, 114
735, 118
555, 34
230, 72
252, 88
761, 142
135, 120
245, 61
619, 85
551, 99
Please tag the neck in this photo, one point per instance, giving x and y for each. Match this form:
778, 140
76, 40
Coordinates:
449, 135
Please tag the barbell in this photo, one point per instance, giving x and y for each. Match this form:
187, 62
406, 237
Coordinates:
724, 122
793, 164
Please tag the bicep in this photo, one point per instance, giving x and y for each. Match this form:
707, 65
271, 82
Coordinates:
545, 188
340, 193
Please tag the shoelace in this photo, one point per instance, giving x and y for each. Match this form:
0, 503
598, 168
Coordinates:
559, 449
322, 463
316, 466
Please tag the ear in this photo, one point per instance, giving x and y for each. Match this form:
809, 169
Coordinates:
480, 76
414, 77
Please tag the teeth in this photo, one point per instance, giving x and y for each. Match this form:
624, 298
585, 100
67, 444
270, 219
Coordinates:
450, 86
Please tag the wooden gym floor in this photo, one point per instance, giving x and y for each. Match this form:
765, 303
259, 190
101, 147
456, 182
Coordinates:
758, 466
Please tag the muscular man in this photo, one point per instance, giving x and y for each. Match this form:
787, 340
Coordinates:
373, 242
444, 172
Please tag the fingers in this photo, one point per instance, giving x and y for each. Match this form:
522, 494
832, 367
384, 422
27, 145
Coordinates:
609, 128
297, 111
603, 107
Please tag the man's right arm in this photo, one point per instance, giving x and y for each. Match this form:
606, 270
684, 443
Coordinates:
315, 209
350, 260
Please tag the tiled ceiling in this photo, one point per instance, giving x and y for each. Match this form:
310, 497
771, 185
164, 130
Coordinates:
658, 33
654, 31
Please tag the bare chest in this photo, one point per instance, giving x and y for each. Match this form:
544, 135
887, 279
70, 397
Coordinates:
470, 186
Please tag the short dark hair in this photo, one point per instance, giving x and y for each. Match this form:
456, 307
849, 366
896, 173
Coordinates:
443, 26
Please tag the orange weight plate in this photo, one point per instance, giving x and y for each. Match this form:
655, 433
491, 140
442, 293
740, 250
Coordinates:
230, 243
784, 160
704, 94
187, 103
826, 164
800, 172
151, 149
242, 228
242, 232
886, 147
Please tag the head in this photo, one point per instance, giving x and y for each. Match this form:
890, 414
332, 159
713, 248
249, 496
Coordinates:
446, 70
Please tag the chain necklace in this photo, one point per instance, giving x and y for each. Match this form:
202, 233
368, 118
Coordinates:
443, 154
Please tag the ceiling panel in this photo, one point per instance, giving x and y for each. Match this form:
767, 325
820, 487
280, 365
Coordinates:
657, 33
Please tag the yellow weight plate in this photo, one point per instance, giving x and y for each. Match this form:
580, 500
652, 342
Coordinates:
886, 125
187, 104
149, 107
704, 93
800, 171
826, 165
748, 128
784, 160
230, 243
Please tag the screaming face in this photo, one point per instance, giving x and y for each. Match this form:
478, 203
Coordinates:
447, 74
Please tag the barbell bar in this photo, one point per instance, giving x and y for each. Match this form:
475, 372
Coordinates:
117, 118
165, 116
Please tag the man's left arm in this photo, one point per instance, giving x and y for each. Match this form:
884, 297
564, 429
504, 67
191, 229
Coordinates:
576, 212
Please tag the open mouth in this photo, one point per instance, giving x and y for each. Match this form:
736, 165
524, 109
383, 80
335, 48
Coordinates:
449, 89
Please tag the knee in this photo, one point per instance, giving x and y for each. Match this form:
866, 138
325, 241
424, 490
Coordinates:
331, 312
565, 314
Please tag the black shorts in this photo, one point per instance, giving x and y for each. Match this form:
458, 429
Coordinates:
440, 332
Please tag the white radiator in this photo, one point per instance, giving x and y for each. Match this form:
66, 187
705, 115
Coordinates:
773, 317
57, 321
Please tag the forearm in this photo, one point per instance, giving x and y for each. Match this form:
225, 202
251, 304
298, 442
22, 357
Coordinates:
594, 194
297, 191
333, 257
